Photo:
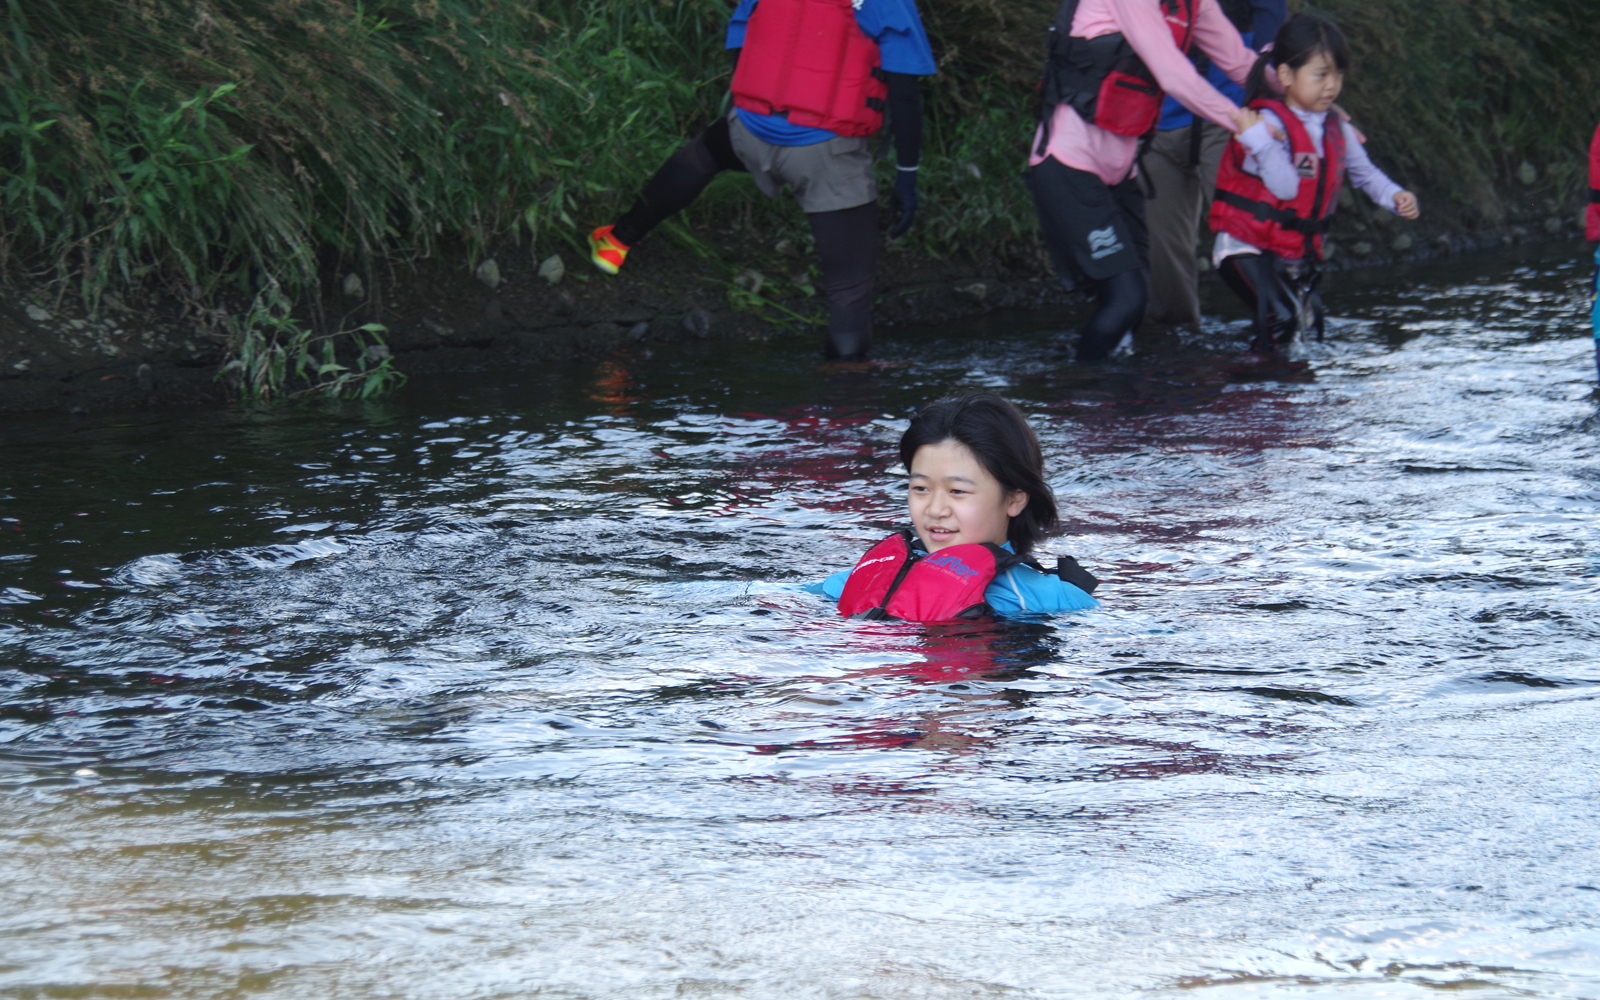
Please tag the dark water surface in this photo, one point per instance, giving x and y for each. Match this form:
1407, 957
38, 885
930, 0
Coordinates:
506, 687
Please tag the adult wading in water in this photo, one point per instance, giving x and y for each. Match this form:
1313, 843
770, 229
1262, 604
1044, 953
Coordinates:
812, 81
1109, 65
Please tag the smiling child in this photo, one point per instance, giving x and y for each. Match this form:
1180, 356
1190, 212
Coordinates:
978, 503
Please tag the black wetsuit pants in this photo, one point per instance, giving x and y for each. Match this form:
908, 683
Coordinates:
1096, 235
1278, 293
847, 240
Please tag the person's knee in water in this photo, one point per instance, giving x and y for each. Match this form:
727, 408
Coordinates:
857, 61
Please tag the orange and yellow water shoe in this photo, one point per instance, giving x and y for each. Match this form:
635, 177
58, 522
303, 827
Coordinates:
606, 250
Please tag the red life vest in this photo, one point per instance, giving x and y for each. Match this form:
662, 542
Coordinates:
895, 580
809, 61
1103, 78
1591, 217
1245, 209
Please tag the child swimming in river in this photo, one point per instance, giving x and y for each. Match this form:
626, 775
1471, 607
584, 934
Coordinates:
978, 504
1277, 192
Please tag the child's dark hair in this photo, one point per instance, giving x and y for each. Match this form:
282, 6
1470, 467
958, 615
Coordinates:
1299, 39
998, 434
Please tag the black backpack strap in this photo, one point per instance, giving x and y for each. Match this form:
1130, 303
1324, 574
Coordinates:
1068, 570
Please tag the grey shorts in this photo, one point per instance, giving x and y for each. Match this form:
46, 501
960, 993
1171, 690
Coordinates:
826, 176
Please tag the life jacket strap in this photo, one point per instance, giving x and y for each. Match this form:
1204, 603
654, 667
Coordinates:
1264, 212
1594, 196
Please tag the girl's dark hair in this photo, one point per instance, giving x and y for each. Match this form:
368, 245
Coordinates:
1299, 39
998, 434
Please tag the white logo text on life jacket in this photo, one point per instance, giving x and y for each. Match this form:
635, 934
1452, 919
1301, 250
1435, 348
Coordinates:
1103, 242
953, 564
1305, 164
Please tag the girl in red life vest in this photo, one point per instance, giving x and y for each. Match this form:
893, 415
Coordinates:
978, 503
1275, 196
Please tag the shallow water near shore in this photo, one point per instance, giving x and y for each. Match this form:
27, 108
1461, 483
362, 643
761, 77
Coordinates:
506, 687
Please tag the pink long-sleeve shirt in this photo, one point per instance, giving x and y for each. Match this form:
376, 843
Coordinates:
1109, 156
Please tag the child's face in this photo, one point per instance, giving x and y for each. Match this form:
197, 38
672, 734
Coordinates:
955, 501
1314, 86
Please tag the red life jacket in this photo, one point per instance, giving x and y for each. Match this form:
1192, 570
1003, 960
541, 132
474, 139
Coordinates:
895, 580
1245, 209
1591, 216
809, 61
1103, 79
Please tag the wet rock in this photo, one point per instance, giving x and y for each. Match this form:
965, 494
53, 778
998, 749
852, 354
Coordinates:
750, 280
787, 248
638, 330
147, 378
1330, 249
564, 305
436, 328
698, 324
488, 272
352, 287
378, 352
1441, 243
972, 170
1402, 243
1552, 225
1202, 264
553, 269
1361, 248
38, 315
22, 365
977, 291
1527, 173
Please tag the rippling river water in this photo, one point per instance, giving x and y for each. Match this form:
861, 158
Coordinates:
507, 687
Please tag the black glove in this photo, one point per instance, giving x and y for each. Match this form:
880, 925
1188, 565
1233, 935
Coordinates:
904, 200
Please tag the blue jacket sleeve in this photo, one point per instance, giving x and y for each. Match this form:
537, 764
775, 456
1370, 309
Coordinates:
1024, 590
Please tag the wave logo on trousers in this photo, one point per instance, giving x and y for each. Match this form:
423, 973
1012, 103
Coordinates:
1103, 242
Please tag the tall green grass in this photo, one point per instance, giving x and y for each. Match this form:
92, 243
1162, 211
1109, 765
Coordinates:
1456, 96
221, 149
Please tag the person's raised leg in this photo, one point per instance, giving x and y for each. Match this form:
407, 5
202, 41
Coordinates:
1096, 235
672, 188
1123, 298
847, 243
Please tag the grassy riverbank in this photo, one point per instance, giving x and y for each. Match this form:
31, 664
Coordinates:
244, 157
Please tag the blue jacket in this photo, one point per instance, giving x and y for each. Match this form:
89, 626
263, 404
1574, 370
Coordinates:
1019, 590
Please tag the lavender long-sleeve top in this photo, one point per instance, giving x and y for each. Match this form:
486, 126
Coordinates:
1269, 159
